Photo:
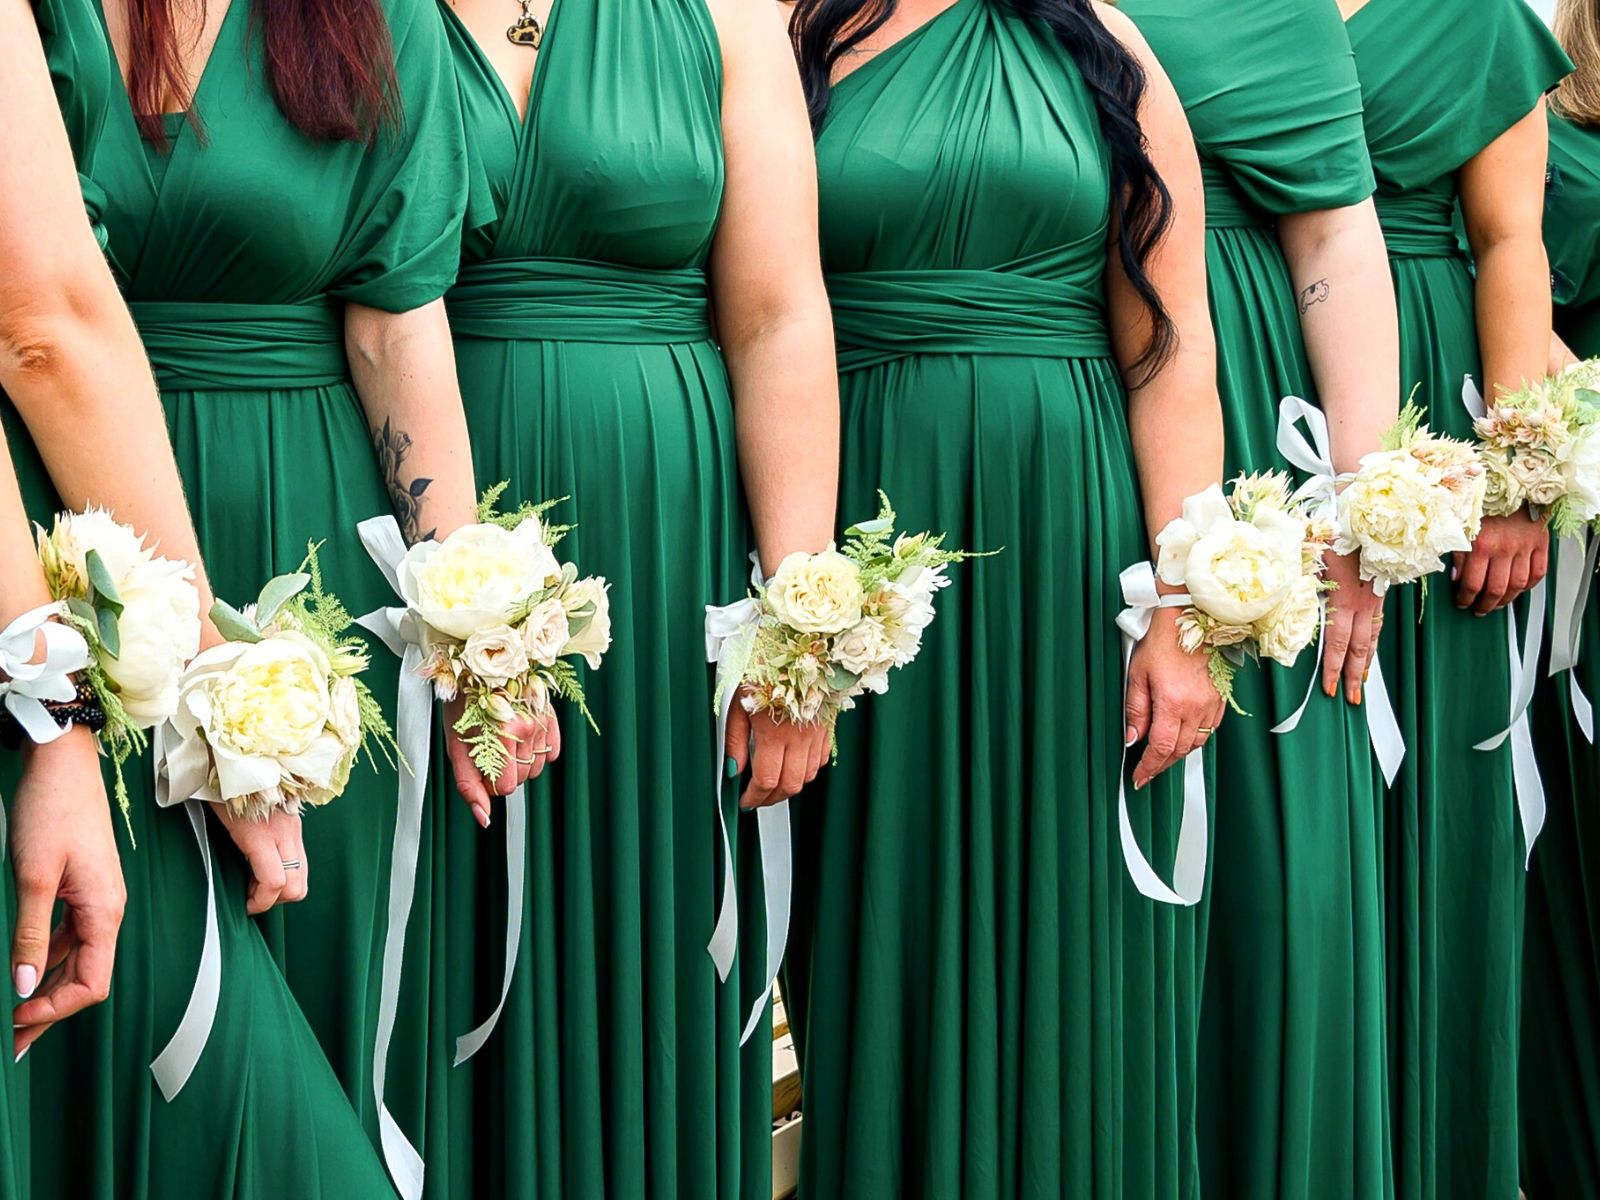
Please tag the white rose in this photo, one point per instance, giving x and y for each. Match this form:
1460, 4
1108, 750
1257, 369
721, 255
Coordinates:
1200, 513
545, 632
1239, 572
75, 534
1539, 475
495, 655
594, 637
1580, 469
1502, 493
816, 593
476, 577
1294, 625
159, 631
864, 648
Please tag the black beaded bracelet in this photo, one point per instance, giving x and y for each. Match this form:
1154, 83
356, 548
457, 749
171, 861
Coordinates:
82, 709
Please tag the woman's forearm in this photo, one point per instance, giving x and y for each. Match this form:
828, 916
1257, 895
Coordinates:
1175, 423
403, 365
22, 585
1344, 294
786, 413
1514, 311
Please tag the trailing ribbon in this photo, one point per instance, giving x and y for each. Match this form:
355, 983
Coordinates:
27, 684
730, 636
1575, 568
401, 632
1319, 490
1524, 676
469, 1044
1139, 593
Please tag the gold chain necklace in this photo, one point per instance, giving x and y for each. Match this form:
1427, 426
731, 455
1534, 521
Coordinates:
527, 31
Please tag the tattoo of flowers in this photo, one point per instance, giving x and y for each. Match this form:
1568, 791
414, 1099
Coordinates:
392, 447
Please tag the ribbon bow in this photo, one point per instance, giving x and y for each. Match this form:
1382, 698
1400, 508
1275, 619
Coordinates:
1315, 458
1139, 593
730, 637
26, 685
1524, 661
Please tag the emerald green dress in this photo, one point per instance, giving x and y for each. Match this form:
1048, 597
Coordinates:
1454, 846
986, 1007
1292, 1081
588, 370
1561, 951
235, 252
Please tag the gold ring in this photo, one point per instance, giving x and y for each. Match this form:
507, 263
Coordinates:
522, 762
1205, 730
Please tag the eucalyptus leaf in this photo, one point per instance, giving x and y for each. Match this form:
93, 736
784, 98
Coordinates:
110, 636
579, 621
841, 680
82, 609
233, 624
104, 593
278, 592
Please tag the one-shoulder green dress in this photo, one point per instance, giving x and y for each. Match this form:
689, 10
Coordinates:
236, 251
1561, 948
588, 369
986, 1006
1292, 1071
1454, 852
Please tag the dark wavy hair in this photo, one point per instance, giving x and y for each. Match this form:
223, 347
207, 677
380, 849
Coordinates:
330, 64
824, 31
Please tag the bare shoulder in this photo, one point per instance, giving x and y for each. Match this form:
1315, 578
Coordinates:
749, 22
1121, 27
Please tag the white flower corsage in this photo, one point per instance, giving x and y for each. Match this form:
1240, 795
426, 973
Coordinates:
1540, 447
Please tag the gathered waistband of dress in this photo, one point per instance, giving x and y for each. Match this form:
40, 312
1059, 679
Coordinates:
1419, 224
573, 300
879, 316
195, 346
1227, 207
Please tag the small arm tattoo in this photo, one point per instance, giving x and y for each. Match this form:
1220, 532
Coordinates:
1315, 294
393, 446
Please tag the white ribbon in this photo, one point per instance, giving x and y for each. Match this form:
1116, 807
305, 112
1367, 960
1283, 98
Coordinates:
730, 635
1575, 568
400, 631
28, 684
1315, 458
469, 1044
1139, 593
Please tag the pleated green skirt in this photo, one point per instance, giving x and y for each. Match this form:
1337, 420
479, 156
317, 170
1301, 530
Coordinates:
986, 1007
616, 1070
1453, 845
1293, 1098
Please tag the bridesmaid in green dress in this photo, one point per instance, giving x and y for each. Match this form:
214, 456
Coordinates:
1561, 965
1454, 117
648, 157
986, 1007
1292, 1081
284, 235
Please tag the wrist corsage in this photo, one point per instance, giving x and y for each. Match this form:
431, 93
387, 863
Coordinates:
1250, 562
138, 612
275, 716
1540, 447
501, 618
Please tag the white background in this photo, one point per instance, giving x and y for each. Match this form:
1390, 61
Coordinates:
1546, 8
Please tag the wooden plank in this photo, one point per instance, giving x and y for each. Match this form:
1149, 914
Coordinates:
786, 1159
785, 1079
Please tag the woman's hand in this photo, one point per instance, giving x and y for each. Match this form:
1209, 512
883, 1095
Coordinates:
276, 854
1511, 555
1355, 619
1172, 704
531, 745
62, 848
786, 756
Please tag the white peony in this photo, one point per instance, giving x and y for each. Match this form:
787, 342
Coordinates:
1294, 625
1580, 471
594, 638
545, 632
477, 577
159, 631
496, 655
1401, 518
1237, 572
75, 534
1201, 512
816, 593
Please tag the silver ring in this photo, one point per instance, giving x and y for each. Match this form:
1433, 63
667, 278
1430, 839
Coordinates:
291, 864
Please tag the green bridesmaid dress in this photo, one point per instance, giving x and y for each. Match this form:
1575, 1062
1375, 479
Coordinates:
1454, 846
235, 251
985, 1005
1292, 1082
1561, 950
589, 371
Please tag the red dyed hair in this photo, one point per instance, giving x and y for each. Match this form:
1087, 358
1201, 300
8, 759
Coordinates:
330, 64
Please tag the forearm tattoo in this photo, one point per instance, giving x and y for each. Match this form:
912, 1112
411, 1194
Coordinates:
393, 446
1315, 294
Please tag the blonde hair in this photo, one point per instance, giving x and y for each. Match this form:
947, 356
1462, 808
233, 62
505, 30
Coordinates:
1578, 26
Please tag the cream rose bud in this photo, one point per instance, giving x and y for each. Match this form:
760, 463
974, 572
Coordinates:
1502, 493
75, 534
1238, 572
1539, 476
544, 634
344, 711
478, 576
594, 639
159, 632
864, 648
816, 593
1292, 628
495, 655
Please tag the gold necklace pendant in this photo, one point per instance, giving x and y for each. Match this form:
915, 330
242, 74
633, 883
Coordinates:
526, 32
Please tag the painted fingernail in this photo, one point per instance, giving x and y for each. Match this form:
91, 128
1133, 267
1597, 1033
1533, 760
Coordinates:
482, 814
1130, 736
21, 1054
730, 767
1454, 574
1358, 696
26, 977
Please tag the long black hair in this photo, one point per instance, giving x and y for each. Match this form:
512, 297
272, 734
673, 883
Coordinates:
824, 31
